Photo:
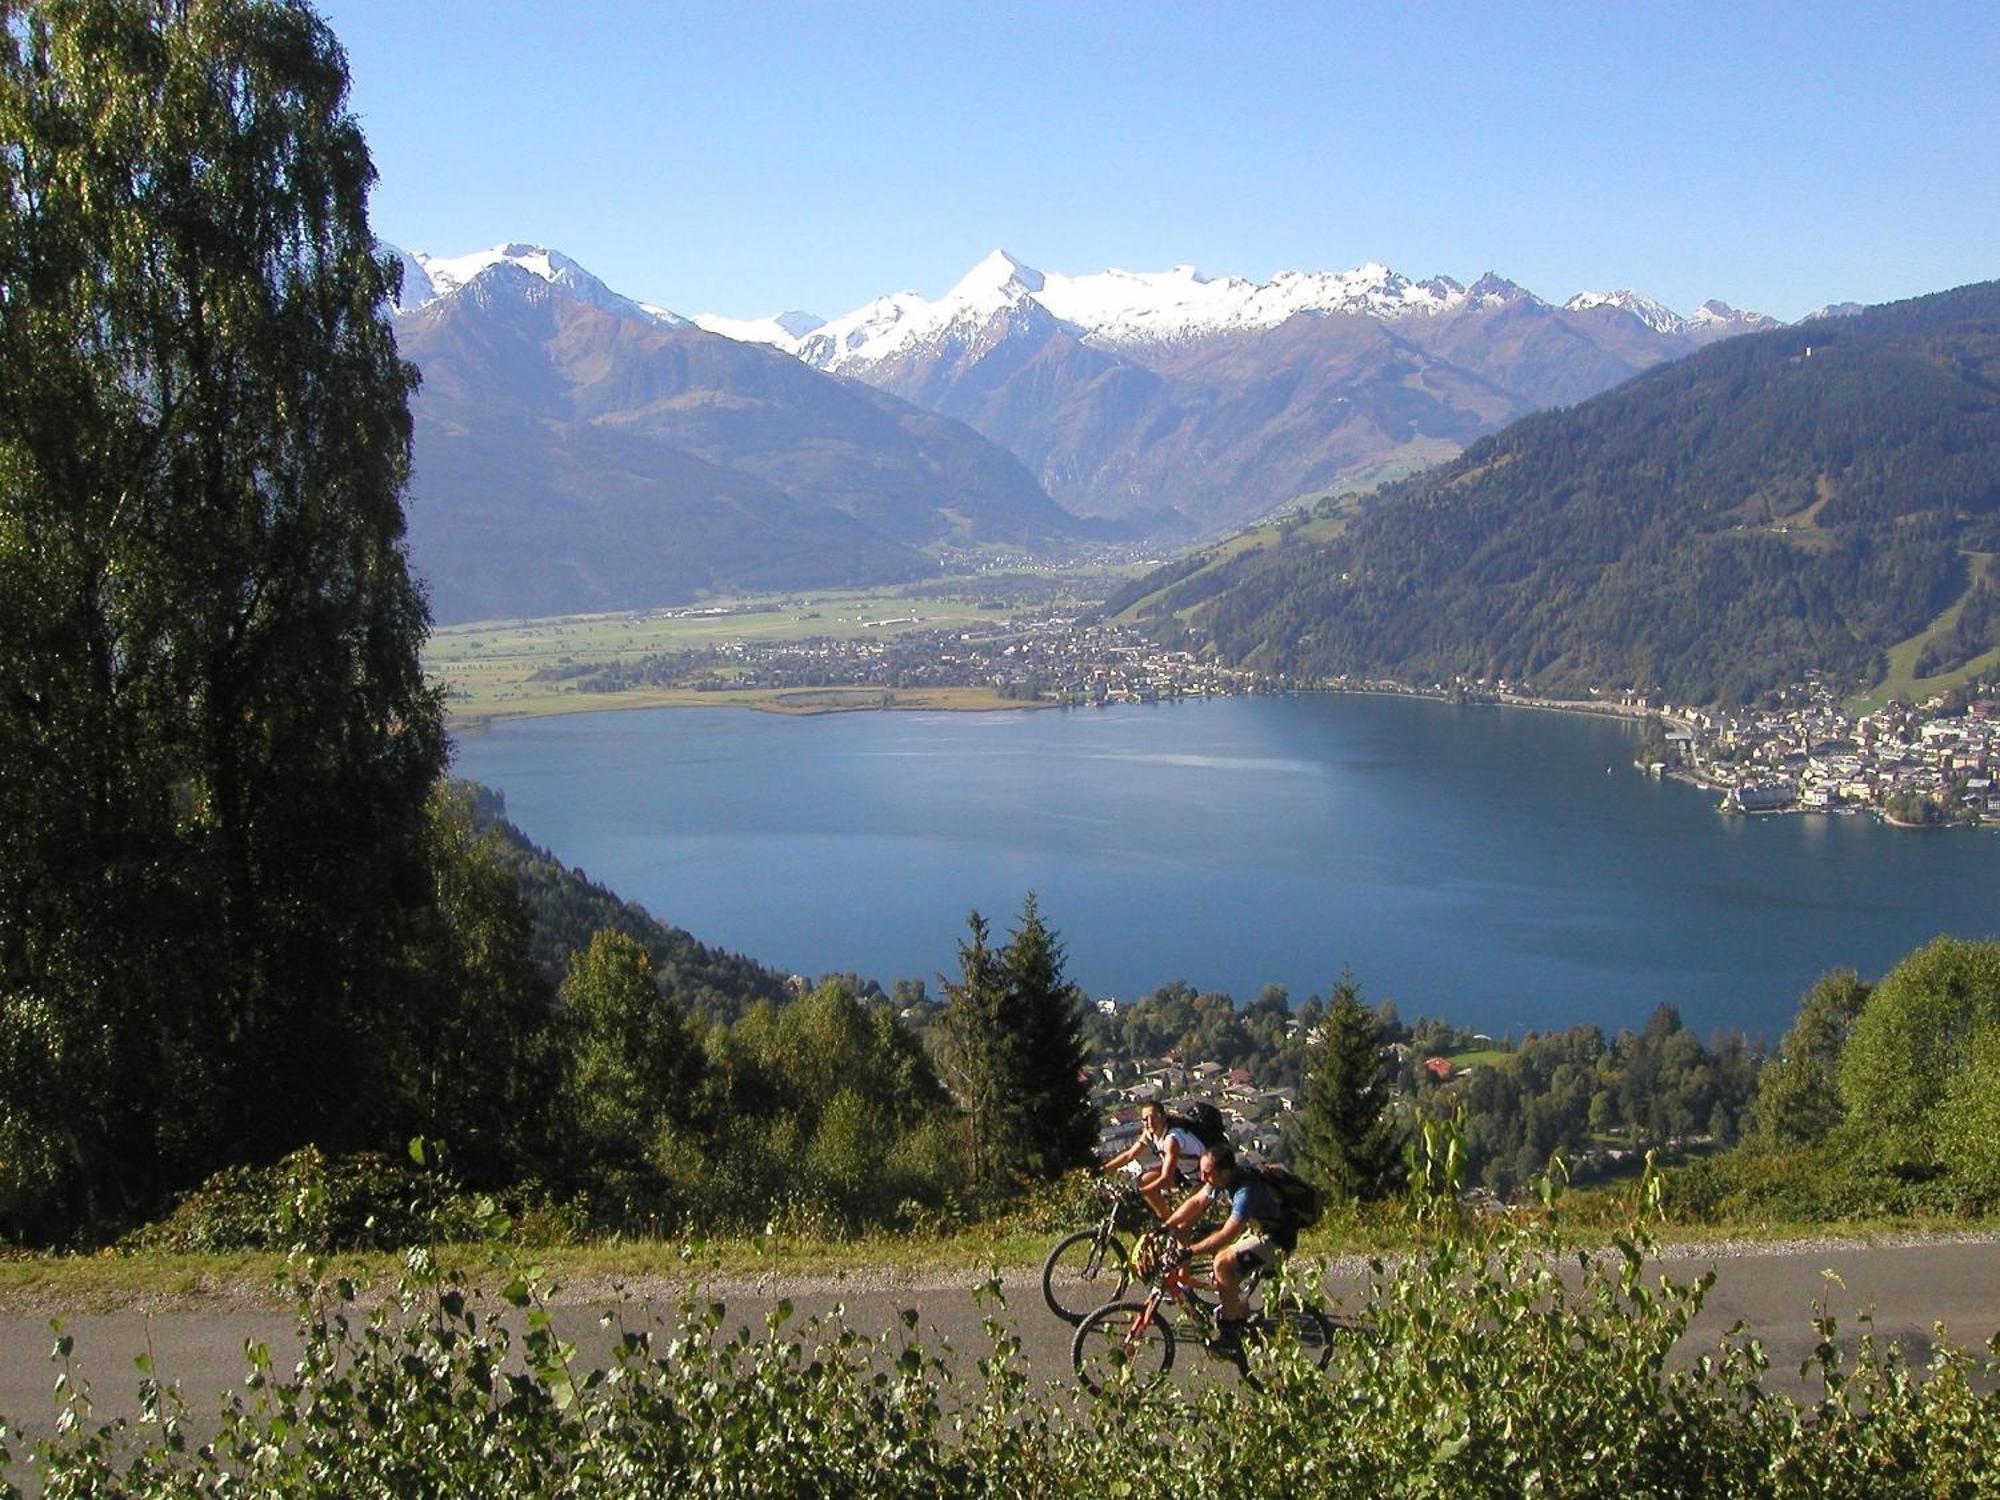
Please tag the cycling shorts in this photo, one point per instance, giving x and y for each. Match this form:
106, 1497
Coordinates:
1254, 1251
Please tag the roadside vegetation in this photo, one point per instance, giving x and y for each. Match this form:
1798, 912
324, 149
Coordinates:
1482, 1369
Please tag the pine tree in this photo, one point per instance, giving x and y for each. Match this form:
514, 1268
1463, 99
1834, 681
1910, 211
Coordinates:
1344, 1133
976, 1050
1057, 1128
1013, 1053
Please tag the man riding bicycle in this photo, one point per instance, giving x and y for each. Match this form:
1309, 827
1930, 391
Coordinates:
1254, 1235
1177, 1149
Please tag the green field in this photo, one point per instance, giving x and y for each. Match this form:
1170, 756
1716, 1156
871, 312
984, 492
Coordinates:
487, 668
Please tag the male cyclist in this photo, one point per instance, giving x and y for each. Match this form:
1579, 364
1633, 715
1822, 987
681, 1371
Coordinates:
1177, 1149
1255, 1233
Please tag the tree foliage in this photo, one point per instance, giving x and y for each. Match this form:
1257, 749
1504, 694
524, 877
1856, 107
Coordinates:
1914, 1036
1798, 1091
1345, 1135
216, 743
1013, 1052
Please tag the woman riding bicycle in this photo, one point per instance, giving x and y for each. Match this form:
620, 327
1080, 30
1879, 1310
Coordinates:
1176, 1149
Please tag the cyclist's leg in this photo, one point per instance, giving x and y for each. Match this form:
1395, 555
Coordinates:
1232, 1267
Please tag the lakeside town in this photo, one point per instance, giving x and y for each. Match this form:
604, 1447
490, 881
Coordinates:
1922, 765
1927, 764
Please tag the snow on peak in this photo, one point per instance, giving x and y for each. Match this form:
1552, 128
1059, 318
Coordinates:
999, 275
784, 330
1655, 315
1495, 290
417, 288
1718, 314
447, 275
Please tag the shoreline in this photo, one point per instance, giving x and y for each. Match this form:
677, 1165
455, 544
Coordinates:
977, 700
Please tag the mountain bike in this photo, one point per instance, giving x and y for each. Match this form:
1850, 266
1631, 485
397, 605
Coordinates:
1093, 1265
1134, 1341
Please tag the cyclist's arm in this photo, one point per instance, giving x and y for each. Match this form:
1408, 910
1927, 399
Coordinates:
1187, 1212
1130, 1153
1222, 1239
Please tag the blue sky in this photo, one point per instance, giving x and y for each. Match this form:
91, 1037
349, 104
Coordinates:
746, 158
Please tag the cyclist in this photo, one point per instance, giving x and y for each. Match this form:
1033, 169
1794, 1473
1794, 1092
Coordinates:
1176, 1148
1255, 1233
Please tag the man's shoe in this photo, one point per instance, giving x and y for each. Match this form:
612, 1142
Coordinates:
1227, 1335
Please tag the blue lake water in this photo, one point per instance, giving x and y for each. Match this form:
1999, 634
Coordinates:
1507, 868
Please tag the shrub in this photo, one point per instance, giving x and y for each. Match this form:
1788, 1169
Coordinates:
1492, 1364
317, 1203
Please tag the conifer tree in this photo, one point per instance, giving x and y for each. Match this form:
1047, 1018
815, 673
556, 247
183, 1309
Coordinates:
1058, 1125
1344, 1134
1013, 1053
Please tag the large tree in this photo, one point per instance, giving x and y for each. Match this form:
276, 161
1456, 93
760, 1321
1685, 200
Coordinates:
215, 738
1344, 1132
1798, 1091
1913, 1038
1013, 1053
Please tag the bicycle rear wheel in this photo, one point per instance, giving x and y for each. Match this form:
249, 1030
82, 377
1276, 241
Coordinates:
1082, 1272
1113, 1350
1309, 1329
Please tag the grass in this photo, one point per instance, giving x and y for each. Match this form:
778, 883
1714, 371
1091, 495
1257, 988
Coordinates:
1258, 538
1901, 680
487, 668
546, 699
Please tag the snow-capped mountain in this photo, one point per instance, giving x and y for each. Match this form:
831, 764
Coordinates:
781, 331
426, 278
1655, 315
579, 449
1139, 394
1118, 309
1219, 396
1714, 320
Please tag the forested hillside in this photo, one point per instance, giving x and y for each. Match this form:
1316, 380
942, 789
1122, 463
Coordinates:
568, 908
1787, 501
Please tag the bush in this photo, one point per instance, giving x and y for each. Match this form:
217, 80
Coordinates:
316, 1203
1839, 1180
1492, 1364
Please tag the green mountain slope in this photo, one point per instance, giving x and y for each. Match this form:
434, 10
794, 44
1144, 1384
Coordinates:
567, 908
1793, 500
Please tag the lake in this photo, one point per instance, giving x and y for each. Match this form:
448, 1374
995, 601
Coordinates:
1504, 867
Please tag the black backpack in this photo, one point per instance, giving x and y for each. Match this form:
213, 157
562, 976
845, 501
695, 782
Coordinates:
1202, 1120
1300, 1201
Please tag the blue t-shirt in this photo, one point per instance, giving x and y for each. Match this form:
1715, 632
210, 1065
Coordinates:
1252, 1201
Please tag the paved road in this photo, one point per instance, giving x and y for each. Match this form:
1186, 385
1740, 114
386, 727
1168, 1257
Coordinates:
1770, 1289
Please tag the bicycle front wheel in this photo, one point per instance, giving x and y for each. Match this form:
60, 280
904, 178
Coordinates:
1087, 1268
1122, 1345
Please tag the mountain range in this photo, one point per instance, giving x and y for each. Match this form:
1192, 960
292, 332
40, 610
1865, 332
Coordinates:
579, 448
1790, 501
1197, 403
576, 450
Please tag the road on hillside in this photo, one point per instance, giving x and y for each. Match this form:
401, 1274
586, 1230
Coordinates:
1771, 1290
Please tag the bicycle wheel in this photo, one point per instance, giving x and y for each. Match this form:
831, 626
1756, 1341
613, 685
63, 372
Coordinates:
1312, 1331
1111, 1347
1083, 1271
